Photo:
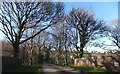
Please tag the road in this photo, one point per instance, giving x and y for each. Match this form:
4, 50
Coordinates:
54, 69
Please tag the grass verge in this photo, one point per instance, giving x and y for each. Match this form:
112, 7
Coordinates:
88, 69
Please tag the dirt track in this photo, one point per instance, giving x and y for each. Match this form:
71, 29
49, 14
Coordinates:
54, 69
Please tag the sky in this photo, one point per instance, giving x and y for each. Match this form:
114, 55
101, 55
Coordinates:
106, 11
103, 10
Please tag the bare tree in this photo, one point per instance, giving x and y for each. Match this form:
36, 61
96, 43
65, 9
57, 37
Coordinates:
18, 17
114, 32
85, 24
40, 42
59, 38
73, 39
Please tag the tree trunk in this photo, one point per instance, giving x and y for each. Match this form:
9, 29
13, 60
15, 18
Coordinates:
58, 58
39, 56
65, 57
31, 59
81, 52
66, 53
47, 56
16, 50
82, 44
23, 55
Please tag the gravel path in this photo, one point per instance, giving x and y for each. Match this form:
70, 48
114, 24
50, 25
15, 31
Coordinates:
54, 69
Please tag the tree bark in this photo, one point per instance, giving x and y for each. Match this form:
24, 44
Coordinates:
40, 55
81, 50
16, 50
66, 57
23, 55
57, 59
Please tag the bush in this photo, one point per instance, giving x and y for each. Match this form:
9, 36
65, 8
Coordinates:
8, 62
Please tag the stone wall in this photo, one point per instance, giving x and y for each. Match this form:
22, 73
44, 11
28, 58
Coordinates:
111, 63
